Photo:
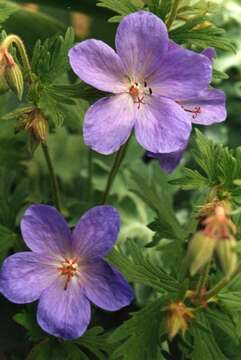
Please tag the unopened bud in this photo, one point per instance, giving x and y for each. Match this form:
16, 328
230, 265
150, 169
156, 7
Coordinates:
3, 85
200, 251
37, 123
226, 255
177, 317
14, 79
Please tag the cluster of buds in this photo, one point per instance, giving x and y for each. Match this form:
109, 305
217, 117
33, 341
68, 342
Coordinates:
34, 121
217, 236
177, 316
10, 74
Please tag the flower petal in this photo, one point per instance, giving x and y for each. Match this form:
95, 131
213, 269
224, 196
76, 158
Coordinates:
162, 126
106, 287
141, 42
209, 107
64, 313
168, 161
97, 64
96, 232
182, 74
108, 123
45, 231
25, 275
209, 52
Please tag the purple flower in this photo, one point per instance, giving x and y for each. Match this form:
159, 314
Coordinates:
150, 79
66, 271
207, 108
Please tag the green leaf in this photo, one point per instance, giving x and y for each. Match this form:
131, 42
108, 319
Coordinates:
231, 300
56, 350
7, 241
6, 9
138, 268
123, 7
160, 200
205, 345
222, 173
27, 319
139, 337
95, 341
50, 59
193, 31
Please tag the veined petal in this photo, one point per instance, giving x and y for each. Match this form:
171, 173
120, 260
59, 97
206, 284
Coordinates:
141, 43
96, 232
64, 313
108, 123
206, 109
24, 276
106, 287
97, 64
162, 126
45, 230
182, 74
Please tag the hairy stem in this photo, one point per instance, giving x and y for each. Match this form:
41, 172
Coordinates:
173, 13
14, 39
203, 279
114, 170
222, 283
54, 182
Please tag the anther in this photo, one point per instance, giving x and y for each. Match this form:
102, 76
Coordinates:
150, 91
145, 84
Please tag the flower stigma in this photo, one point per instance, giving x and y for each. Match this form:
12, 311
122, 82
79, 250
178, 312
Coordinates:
138, 91
69, 268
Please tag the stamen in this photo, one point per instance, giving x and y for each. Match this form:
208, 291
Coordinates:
195, 111
145, 84
69, 269
150, 91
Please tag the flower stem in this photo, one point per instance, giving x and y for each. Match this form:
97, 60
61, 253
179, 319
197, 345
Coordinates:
89, 174
173, 14
222, 283
14, 39
203, 279
55, 187
114, 170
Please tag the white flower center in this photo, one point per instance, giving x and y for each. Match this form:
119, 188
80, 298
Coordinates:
139, 91
69, 268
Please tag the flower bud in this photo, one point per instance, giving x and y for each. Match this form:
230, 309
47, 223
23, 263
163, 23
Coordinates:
177, 317
37, 123
226, 255
14, 79
200, 251
3, 85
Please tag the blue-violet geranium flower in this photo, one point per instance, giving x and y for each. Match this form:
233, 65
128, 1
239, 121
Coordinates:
206, 108
65, 270
158, 88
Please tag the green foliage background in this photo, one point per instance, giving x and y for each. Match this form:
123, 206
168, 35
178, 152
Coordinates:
158, 215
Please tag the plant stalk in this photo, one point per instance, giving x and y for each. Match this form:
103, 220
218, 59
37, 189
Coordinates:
114, 170
54, 182
222, 283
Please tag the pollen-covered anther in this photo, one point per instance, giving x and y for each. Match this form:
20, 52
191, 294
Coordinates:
69, 269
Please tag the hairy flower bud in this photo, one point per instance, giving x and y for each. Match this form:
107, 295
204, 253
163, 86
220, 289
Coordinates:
226, 254
37, 123
177, 317
200, 251
14, 79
